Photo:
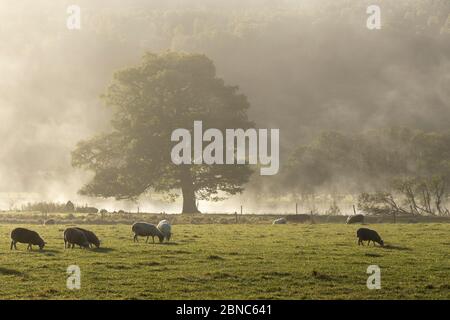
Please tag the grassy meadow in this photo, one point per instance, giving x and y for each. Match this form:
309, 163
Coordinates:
244, 261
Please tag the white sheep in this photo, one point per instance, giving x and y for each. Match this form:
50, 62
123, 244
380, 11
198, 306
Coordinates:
165, 228
280, 221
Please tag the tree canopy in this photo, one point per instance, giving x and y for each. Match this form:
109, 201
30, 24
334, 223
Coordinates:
165, 92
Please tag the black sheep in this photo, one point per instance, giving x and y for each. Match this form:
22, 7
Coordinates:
144, 229
91, 237
365, 234
30, 237
73, 236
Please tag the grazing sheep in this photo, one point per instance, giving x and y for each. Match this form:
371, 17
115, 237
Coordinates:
30, 237
74, 236
355, 219
165, 228
280, 221
144, 229
91, 237
365, 234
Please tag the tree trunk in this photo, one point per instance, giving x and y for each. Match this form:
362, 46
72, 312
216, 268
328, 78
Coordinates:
188, 191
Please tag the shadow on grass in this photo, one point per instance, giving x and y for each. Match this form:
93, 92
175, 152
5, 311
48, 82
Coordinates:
394, 247
321, 276
102, 250
48, 251
43, 251
169, 243
11, 272
215, 257
373, 255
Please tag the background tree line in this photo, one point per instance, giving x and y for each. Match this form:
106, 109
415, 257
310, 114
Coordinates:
394, 171
57, 207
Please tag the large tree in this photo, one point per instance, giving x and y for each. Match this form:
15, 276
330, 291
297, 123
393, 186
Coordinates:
163, 93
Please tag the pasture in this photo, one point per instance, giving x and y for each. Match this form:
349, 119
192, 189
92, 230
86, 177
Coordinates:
244, 261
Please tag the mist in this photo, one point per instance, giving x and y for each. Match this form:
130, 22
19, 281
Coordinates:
305, 66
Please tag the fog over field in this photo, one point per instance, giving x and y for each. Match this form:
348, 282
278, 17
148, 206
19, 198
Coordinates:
305, 66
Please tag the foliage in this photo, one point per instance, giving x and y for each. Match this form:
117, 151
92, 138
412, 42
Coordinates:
69, 207
45, 207
334, 209
55, 207
414, 196
165, 92
396, 170
379, 203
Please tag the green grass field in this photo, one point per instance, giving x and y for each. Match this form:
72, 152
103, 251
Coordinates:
305, 261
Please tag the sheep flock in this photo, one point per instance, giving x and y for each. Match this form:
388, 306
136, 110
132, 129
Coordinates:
75, 236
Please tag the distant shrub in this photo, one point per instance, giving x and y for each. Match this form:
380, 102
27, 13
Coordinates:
196, 221
69, 207
86, 209
226, 221
44, 207
49, 222
70, 216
